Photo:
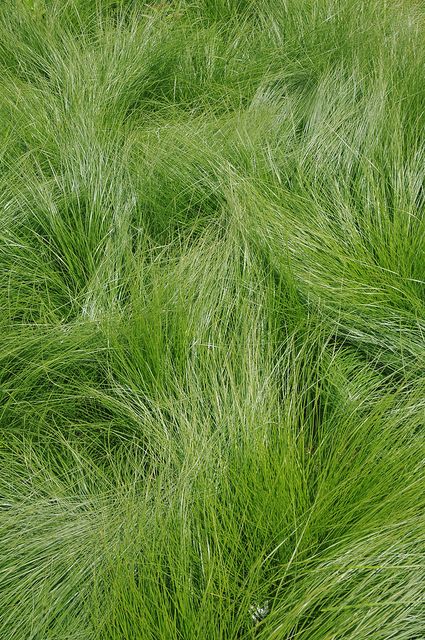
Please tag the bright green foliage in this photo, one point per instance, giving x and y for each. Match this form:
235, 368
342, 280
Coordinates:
212, 309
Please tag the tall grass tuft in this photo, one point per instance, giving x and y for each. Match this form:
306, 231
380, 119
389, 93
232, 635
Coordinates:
212, 366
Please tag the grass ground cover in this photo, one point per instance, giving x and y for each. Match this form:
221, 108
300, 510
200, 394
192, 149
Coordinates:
212, 310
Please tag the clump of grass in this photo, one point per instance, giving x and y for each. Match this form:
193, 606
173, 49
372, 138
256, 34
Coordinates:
211, 275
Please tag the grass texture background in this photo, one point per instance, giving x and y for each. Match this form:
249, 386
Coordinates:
212, 286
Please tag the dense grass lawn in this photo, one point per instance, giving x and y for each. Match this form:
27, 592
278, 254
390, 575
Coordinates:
212, 315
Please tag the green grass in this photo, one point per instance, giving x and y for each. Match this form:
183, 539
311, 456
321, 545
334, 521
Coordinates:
212, 286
